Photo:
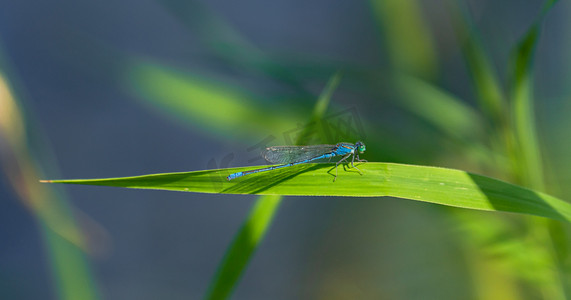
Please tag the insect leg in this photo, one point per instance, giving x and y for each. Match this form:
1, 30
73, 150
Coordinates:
337, 164
353, 160
361, 160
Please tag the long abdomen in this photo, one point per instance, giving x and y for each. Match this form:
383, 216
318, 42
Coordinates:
240, 174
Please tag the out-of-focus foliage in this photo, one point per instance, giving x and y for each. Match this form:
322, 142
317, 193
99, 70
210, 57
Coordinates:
64, 242
415, 106
191, 99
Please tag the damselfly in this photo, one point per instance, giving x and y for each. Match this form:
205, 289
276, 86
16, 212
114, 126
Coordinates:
294, 155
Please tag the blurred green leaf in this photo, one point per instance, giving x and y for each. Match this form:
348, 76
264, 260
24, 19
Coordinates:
214, 31
407, 36
230, 46
307, 136
547, 6
70, 268
530, 167
458, 122
486, 82
245, 243
446, 112
420, 183
64, 241
512, 249
213, 106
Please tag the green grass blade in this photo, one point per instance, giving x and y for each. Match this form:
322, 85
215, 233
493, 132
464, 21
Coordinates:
245, 243
448, 114
70, 268
307, 136
407, 36
254, 228
529, 155
485, 79
443, 110
530, 169
325, 96
191, 99
421, 183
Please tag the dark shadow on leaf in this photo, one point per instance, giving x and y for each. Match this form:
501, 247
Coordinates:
257, 183
508, 197
346, 168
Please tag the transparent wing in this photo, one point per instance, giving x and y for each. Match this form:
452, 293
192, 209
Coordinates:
288, 154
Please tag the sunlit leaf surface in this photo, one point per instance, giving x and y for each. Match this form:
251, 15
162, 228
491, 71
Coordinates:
420, 183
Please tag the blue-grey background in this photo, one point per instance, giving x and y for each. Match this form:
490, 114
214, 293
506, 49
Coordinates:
155, 244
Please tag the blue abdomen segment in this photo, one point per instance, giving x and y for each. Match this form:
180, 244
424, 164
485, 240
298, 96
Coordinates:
235, 175
240, 174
